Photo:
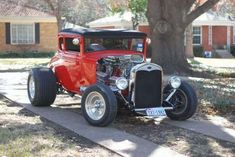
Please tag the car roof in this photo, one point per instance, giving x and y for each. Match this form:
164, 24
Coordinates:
104, 32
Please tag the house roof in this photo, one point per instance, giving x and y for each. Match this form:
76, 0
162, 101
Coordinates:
124, 20
104, 33
71, 25
14, 12
119, 19
213, 19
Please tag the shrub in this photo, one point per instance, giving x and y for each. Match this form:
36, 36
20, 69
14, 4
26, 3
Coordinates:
232, 50
198, 51
26, 54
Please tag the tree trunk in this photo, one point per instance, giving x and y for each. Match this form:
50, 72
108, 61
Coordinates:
189, 41
168, 20
167, 36
169, 52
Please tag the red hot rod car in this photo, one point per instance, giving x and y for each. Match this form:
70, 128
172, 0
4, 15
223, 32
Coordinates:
108, 69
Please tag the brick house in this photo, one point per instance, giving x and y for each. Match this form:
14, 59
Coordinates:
209, 30
25, 29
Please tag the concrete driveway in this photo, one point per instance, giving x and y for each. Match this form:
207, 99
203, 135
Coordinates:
13, 86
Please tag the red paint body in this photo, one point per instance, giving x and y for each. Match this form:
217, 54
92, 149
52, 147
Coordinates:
74, 70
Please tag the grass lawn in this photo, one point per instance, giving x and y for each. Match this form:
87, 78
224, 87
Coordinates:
217, 67
24, 134
215, 96
13, 64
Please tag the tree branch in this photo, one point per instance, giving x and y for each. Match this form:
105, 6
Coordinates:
49, 2
189, 4
199, 10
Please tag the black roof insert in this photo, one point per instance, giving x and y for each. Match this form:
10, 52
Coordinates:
104, 33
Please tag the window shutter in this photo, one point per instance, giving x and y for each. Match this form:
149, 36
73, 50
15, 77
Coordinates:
8, 33
37, 33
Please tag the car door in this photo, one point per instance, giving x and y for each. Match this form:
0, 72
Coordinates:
69, 70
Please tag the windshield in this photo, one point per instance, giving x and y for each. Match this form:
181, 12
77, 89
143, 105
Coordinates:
93, 44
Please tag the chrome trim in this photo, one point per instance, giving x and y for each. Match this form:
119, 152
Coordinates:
146, 67
120, 93
142, 67
144, 109
170, 95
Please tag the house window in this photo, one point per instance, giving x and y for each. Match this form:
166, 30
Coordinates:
197, 35
22, 34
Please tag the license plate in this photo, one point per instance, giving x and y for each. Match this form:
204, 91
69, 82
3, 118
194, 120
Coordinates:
158, 112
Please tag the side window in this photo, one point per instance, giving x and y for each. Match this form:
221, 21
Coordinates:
61, 43
69, 46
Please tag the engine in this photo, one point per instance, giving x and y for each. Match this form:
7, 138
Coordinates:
113, 67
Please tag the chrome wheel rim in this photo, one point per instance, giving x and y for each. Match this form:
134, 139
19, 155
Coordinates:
180, 102
95, 105
31, 87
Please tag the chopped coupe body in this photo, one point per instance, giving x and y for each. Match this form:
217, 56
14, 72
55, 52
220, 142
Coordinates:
108, 69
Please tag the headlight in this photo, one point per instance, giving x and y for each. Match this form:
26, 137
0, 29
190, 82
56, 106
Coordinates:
122, 83
175, 82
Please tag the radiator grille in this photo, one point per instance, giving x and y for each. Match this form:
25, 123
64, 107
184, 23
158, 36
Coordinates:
148, 89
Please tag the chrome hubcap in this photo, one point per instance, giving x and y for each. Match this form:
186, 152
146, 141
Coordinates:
31, 87
95, 105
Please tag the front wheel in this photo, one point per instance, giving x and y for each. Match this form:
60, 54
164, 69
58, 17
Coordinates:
184, 102
99, 105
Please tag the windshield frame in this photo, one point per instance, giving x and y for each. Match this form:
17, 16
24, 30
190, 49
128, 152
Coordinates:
115, 37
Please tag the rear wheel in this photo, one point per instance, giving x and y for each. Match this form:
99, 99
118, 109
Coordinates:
41, 87
99, 105
184, 102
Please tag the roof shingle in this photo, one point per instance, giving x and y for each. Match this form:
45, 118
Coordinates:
8, 9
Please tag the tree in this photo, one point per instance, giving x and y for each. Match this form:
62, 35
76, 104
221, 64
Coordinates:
168, 20
56, 9
138, 9
189, 35
75, 11
226, 7
189, 41
117, 6
86, 11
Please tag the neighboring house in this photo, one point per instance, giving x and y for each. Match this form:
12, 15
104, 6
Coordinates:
71, 25
213, 32
117, 21
25, 29
209, 30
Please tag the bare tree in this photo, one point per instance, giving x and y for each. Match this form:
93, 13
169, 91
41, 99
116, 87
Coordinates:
226, 7
86, 11
75, 11
168, 20
56, 8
